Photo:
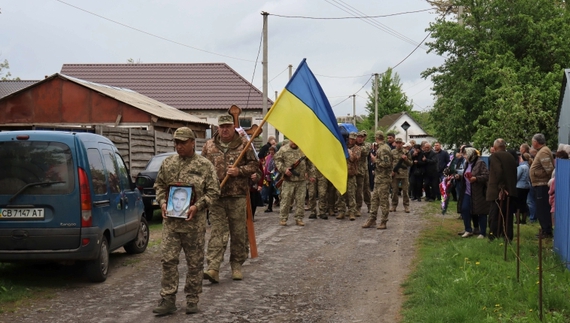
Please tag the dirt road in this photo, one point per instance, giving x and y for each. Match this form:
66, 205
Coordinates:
328, 271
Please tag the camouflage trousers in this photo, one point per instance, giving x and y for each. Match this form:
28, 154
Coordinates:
348, 200
193, 245
292, 191
228, 218
362, 191
381, 197
318, 190
400, 183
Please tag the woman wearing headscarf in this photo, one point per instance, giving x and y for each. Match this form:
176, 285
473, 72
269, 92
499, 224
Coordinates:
472, 203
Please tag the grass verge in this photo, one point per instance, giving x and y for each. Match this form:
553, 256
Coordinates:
467, 279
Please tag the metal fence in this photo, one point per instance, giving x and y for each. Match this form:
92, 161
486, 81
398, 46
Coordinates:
562, 211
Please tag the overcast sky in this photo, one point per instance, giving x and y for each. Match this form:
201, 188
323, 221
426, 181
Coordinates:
39, 36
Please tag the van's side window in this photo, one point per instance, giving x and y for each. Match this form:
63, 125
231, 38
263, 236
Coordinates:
114, 182
123, 173
97, 171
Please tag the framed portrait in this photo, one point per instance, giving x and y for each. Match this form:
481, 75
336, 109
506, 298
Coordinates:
180, 198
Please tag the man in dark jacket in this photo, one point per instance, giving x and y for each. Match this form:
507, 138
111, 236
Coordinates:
502, 191
431, 181
442, 161
264, 151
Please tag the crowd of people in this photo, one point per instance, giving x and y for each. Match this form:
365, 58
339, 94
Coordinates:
512, 184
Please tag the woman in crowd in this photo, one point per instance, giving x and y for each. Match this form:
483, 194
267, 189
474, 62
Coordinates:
523, 187
472, 203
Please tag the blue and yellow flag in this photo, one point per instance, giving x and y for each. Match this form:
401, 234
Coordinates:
303, 114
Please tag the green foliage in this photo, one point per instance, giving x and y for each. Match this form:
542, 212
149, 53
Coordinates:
391, 98
468, 280
8, 76
503, 71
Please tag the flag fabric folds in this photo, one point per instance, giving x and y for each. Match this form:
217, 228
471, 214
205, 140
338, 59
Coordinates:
303, 114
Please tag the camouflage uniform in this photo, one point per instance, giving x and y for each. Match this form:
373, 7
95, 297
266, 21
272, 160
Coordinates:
293, 187
229, 213
400, 178
382, 181
181, 234
317, 190
349, 197
362, 179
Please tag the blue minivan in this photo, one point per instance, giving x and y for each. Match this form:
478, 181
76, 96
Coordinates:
67, 196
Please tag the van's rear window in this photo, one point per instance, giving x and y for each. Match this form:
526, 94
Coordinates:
47, 166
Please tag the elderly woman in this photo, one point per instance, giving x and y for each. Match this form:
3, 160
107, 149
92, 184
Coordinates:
472, 203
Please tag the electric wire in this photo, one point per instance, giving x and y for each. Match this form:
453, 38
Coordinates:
151, 34
351, 17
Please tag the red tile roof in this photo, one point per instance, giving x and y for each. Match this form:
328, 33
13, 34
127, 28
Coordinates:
186, 86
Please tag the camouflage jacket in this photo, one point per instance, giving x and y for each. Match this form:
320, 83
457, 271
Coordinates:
402, 171
384, 159
286, 157
353, 160
196, 171
223, 158
363, 162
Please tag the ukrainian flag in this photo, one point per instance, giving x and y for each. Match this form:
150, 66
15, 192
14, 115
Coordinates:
303, 114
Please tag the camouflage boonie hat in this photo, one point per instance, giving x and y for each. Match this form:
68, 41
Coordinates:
352, 135
184, 133
225, 119
379, 133
398, 140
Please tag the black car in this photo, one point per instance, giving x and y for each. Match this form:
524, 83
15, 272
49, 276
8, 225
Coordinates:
145, 182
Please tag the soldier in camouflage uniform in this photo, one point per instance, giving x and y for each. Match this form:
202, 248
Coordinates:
317, 190
400, 175
185, 168
382, 181
228, 213
362, 180
353, 163
293, 187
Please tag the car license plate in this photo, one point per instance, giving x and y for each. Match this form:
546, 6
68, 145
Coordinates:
14, 213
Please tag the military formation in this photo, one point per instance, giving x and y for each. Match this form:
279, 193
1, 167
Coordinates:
218, 181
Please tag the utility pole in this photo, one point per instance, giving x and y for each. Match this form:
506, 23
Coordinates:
354, 109
290, 71
265, 77
375, 102
277, 131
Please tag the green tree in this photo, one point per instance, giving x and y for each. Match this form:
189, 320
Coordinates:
503, 71
4, 66
391, 99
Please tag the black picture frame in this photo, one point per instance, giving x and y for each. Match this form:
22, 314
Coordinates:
180, 198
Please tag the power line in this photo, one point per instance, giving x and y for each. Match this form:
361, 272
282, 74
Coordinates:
153, 35
351, 17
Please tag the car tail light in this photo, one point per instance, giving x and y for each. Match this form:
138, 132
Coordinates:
85, 192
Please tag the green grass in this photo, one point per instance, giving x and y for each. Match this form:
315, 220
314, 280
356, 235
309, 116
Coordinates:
468, 280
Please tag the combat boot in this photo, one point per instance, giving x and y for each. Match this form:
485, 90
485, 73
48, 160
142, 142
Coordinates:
283, 222
191, 308
164, 307
382, 225
300, 223
236, 271
323, 216
312, 216
212, 275
369, 223
340, 216
407, 209
351, 217
393, 209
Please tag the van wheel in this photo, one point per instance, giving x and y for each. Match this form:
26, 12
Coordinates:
97, 269
138, 245
148, 213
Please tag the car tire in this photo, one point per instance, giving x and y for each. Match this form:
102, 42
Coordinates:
139, 244
97, 269
148, 212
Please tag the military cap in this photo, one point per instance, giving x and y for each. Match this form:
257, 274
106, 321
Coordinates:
352, 135
379, 133
364, 133
225, 119
361, 133
184, 133
399, 140
407, 145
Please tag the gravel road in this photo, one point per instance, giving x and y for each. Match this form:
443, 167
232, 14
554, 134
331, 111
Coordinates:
327, 271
